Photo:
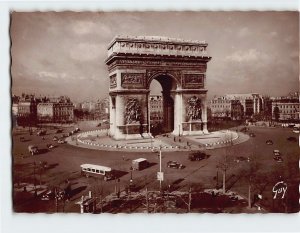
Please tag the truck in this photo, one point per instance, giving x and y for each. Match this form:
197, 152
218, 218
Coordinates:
139, 164
33, 150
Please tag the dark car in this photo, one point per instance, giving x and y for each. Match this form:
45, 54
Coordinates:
196, 156
174, 164
59, 131
41, 133
292, 139
278, 159
241, 159
269, 142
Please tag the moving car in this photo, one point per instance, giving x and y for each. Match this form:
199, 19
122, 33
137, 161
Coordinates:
241, 159
276, 153
269, 142
33, 150
292, 139
174, 164
196, 156
41, 132
50, 146
278, 159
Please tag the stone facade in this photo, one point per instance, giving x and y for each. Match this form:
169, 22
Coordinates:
178, 65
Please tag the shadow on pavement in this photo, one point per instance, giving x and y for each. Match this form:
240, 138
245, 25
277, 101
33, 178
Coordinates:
52, 165
75, 191
119, 173
43, 151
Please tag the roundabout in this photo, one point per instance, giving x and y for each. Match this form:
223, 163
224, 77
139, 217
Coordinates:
99, 140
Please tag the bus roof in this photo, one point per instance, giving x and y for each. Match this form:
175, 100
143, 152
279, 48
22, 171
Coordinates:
98, 167
140, 160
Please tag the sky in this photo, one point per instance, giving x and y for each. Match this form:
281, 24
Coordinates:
63, 53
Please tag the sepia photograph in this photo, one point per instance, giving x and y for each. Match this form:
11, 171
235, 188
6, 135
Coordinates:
155, 112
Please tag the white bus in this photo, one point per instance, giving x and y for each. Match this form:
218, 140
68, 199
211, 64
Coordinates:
97, 171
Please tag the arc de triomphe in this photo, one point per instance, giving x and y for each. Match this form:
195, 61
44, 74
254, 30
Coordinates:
178, 65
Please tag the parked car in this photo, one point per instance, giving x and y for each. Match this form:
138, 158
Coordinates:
55, 138
59, 131
76, 130
292, 139
196, 156
269, 142
174, 164
22, 139
278, 159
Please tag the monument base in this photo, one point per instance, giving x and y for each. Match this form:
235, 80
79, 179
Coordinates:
121, 136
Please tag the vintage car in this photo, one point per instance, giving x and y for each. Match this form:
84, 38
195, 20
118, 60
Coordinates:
174, 164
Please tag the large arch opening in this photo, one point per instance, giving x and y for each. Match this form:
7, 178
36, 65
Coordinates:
161, 104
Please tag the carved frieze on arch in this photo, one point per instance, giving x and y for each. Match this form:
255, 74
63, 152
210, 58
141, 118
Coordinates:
194, 109
133, 80
175, 74
133, 111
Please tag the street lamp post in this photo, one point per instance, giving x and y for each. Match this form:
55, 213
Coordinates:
160, 167
34, 179
131, 169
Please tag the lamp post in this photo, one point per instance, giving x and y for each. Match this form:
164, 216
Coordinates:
34, 180
160, 180
131, 169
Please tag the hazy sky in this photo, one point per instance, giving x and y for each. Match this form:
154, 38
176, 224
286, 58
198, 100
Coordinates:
64, 53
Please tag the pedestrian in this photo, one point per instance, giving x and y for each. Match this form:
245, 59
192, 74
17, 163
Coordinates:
174, 139
123, 157
179, 140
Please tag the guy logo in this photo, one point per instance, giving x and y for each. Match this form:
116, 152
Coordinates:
279, 190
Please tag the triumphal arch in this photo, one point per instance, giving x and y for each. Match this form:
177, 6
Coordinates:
178, 65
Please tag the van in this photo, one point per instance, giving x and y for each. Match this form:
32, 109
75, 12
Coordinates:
139, 164
97, 171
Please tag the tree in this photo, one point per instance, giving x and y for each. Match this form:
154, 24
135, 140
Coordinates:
276, 113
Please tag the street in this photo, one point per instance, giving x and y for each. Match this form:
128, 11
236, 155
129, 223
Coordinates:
64, 164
